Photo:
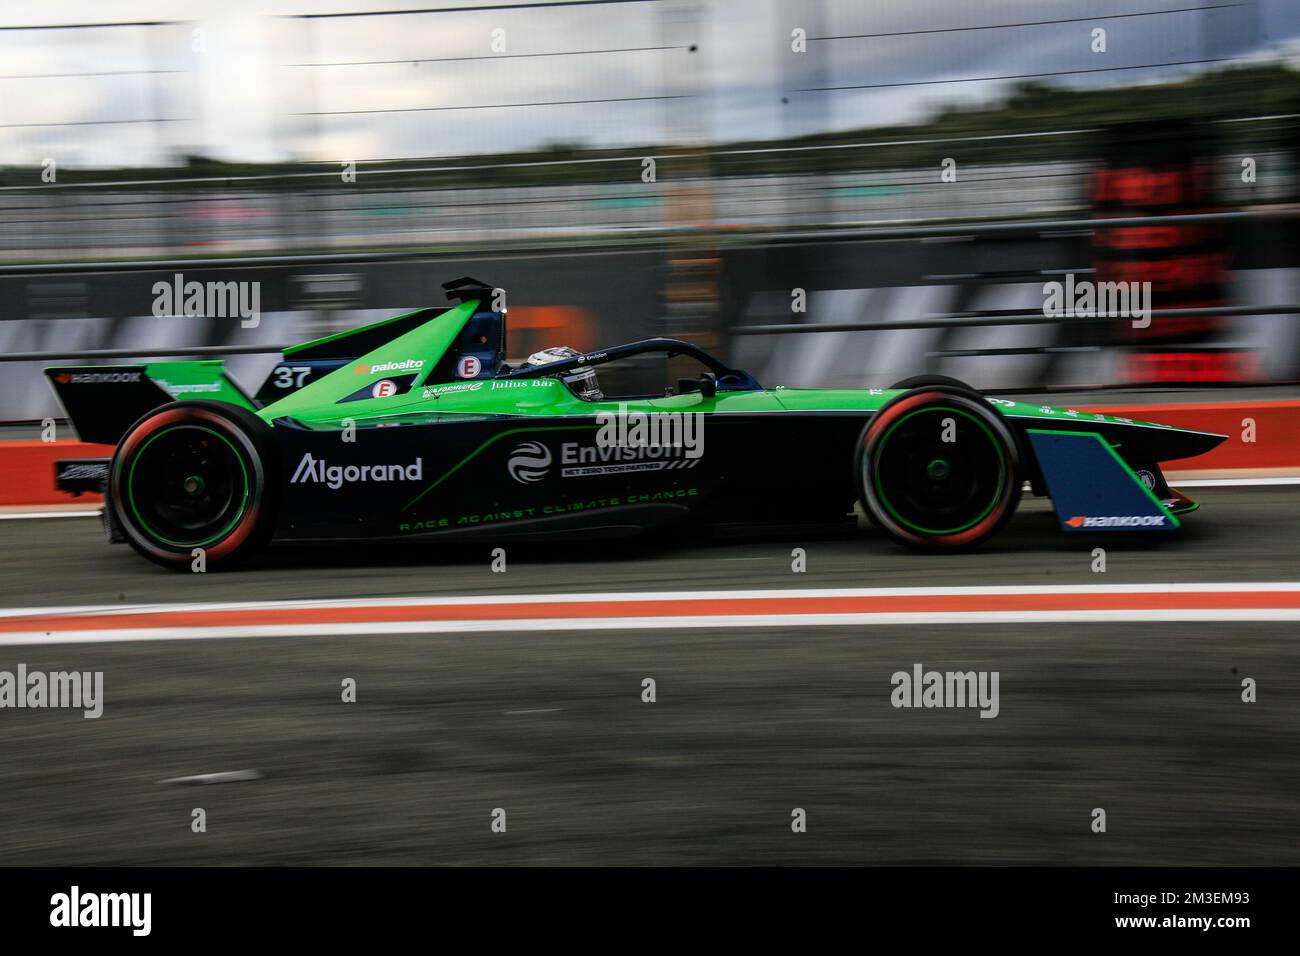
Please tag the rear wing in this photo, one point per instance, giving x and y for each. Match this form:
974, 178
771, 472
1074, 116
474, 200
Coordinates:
103, 401
464, 342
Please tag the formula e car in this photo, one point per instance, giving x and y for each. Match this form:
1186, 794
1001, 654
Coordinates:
417, 428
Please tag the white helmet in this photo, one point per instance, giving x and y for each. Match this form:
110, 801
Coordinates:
582, 380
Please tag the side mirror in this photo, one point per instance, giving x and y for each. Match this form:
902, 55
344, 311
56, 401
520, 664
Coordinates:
706, 385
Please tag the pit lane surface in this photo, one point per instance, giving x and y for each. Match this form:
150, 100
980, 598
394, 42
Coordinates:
1143, 720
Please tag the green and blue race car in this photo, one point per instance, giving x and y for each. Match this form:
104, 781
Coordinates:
417, 428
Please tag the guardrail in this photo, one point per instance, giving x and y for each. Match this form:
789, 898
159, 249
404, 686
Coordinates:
974, 319
1042, 227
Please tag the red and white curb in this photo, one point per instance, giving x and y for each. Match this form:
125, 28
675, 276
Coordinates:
656, 609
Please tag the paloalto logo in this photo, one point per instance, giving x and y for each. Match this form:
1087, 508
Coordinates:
318, 471
406, 365
529, 462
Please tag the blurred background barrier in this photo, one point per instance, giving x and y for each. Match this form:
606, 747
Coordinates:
897, 180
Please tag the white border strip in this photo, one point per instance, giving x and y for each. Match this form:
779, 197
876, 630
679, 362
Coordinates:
615, 597
1235, 482
19, 515
127, 635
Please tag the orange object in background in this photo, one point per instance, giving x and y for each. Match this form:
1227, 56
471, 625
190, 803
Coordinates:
28, 469
1276, 447
535, 327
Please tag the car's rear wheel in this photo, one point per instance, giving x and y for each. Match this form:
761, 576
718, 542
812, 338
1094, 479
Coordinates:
938, 469
194, 480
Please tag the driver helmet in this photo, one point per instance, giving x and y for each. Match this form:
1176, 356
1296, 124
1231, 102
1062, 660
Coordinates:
581, 380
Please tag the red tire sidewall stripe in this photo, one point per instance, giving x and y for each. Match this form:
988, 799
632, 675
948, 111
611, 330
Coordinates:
149, 426
882, 421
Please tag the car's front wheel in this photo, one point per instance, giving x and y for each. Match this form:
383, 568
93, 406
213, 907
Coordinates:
938, 469
191, 485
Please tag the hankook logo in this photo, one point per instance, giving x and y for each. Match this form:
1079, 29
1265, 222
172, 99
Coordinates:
529, 462
96, 378
1117, 521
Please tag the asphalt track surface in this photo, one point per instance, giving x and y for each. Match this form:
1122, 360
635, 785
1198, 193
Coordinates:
1144, 720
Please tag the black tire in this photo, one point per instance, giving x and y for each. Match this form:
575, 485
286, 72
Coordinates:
931, 493
925, 381
195, 475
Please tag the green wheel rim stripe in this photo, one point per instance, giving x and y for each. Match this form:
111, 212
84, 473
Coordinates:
880, 493
130, 490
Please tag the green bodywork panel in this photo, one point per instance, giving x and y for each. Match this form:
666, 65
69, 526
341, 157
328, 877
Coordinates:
207, 380
519, 398
871, 399
425, 344
321, 404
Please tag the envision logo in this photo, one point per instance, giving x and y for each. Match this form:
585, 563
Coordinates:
529, 462
1117, 521
406, 365
336, 476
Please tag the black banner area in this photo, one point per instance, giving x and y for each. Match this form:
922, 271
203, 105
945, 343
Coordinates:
333, 906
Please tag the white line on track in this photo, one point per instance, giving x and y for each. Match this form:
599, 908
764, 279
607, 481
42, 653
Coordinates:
615, 611
1222, 587
19, 515
1235, 482
780, 621
669, 596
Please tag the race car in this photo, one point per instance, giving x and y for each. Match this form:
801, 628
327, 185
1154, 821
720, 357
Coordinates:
417, 428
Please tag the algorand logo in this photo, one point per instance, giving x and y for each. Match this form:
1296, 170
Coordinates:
318, 471
406, 365
529, 462
1117, 521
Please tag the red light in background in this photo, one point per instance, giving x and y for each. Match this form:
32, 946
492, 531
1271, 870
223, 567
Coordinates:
1148, 368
